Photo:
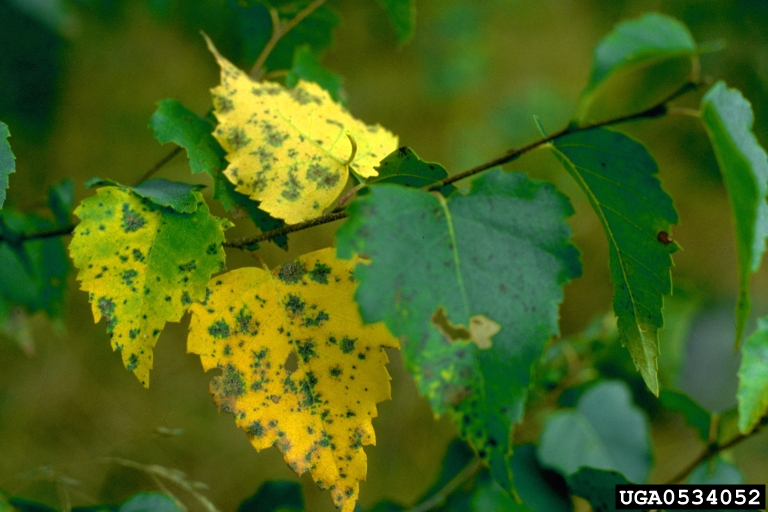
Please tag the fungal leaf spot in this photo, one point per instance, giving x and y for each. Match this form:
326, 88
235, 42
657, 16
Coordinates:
144, 268
481, 329
289, 149
308, 379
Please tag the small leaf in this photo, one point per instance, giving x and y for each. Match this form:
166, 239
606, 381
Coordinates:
7, 161
402, 14
182, 197
275, 496
289, 148
173, 122
61, 200
605, 431
618, 176
715, 471
143, 265
306, 67
728, 118
753, 378
651, 37
404, 167
695, 415
501, 251
598, 487
149, 502
300, 370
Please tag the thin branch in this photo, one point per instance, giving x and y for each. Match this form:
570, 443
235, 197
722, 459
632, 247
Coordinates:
241, 243
159, 165
279, 29
440, 496
51, 233
346, 197
715, 448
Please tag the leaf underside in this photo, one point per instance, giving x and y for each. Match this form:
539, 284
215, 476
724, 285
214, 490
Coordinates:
300, 370
289, 148
618, 176
501, 254
728, 119
143, 265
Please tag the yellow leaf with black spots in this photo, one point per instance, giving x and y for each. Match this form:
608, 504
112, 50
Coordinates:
291, 149
300, 369
143, 265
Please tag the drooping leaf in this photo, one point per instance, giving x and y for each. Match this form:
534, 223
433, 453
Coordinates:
651, 37
404, 167
402, 14
300, 369
618, 176
33, 273
695, 415
149, 502
728, 119
473, 284
289, 148
597, 487
605, 431
173, 122
143, 265
61, 200
275, 496
753, 378
7, 161
181, 197
306, 67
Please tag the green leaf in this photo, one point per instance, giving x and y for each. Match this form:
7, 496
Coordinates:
728, 119
651, 37
402, 14
597, 487
540, 490
680, 310
695, 415
307, 67
149, 502
471, 285
715, 471
61, 200
143, 265
173, 122
404, 167
33, 274
605, 431
752, 393
7, 161
179, 196
488, 495
618, 176
274, 496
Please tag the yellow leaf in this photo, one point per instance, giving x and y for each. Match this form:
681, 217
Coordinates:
290, 149
300, 370
143, 265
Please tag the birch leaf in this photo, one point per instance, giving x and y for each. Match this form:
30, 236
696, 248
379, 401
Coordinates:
300, 370
143, 265
290, 149
7, 161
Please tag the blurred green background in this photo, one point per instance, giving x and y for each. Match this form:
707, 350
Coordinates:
79, 81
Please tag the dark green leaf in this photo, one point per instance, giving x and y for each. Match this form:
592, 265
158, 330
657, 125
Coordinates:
443, 271
402, 14
173, 194
753, 378
694, 414
387, 506
61, 201
618, 176
488, 495
597, 487
605, 431
307, 67
404, 167
651, 37
274, 496
7, 161
173, 122
254, 27
728, 118
149, 502
541, 490
22, 505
